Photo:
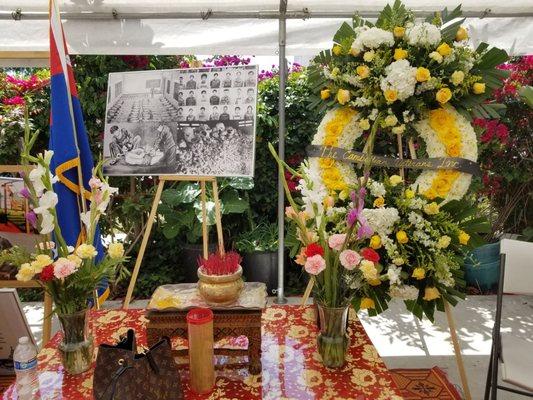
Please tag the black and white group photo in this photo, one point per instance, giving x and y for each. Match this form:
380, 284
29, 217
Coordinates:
185, 122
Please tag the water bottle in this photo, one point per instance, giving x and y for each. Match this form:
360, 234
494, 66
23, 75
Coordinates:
25, 360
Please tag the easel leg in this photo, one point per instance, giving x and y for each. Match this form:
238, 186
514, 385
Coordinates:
47, 319
144, 242
457, 350
205, 235
218, 218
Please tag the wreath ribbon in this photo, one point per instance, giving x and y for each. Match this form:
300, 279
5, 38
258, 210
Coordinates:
437, 163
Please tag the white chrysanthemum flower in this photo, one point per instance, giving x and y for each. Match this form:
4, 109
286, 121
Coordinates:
404, 292
401, 77
372, 38
377, 189
423, 35
381, 220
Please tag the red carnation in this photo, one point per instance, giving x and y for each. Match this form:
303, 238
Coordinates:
370, 254
313, 249
47, 274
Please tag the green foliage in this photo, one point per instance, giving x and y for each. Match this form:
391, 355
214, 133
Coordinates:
264, 237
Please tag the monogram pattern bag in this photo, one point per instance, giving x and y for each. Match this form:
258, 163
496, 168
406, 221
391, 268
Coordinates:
122, 374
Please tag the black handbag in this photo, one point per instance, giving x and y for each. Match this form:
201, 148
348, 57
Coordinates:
122, 374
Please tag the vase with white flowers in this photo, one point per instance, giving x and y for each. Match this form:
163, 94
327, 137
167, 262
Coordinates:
70, 275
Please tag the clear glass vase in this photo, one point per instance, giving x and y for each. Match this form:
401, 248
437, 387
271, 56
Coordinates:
77, 345
333, 340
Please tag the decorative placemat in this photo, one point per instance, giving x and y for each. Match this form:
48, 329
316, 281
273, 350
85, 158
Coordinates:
183, 296
426, 384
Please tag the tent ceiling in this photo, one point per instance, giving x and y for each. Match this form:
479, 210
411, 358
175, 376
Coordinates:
91, 29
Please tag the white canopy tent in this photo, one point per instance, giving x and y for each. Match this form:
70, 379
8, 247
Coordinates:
259, 27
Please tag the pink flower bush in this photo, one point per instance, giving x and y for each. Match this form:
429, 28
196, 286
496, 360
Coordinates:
315, 265
63, 268
336, 241
349, 259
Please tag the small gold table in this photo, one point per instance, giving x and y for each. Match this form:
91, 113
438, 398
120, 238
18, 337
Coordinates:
240, 319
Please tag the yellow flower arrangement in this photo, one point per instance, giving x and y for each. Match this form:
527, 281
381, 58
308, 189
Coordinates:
363, 71
379, 202
391, 95
422, 74
401, 237
462, 34
444, 49
337, 50
478, 88
431, 293
325, 94
375, 242
464, 238
367, 303
444, 95
343, 96
419, 273
398, 31
400, 54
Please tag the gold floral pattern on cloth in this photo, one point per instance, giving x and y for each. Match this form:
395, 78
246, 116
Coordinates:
292, 368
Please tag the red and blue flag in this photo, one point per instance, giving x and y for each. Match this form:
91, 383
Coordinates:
72, 161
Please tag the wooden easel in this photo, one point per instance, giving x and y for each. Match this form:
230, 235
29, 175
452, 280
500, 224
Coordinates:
153, 213
447, 308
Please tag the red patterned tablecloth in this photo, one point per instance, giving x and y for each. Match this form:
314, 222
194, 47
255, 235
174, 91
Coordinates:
291, 364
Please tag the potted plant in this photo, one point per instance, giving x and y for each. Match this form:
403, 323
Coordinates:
181, 212
259, 247
220, 277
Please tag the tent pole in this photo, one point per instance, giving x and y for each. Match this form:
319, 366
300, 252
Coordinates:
280, 299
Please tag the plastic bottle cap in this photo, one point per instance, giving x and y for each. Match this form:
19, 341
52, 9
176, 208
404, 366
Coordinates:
24, 340
198, 316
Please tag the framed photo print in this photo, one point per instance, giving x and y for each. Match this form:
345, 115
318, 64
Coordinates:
190, 122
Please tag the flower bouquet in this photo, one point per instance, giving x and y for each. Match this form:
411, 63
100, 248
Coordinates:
364, 241
70, 275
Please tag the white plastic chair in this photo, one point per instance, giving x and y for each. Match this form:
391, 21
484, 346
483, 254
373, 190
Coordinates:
515, 354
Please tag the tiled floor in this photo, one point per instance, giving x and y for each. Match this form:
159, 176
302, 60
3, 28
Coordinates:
405, 342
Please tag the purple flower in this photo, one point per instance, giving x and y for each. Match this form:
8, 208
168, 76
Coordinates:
24, 192
364, 231
31, 217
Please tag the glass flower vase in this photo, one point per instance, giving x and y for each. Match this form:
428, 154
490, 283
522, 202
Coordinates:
333, 340
76, 347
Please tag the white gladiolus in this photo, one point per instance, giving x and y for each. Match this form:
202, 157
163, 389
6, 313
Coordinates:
47, 223
46, 202
47, 156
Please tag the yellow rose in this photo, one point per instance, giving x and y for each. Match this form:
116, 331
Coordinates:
367, 302
41, 261
74, 258
478, 88
115, 250
375, 242
364, 124
431, 193
324, 94
401, 236
431, 293
454, 150
431, 208
398, 31
355, 52
391, 120
343, 195
419, 273
26, 273
443, 95
368, 270
463, 238
400, 54
462, 34
395, 180
435, 56
369, 55
86, 251
422, 74
337, 50
391, 95
379, 202
363, 71
409, 194
343, 96
458, 77
444, 241
444, 49
398, 129
374, 282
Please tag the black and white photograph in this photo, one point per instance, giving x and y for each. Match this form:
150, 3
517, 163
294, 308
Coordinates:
198, 121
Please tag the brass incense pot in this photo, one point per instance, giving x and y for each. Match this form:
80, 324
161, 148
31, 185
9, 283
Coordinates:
220, 290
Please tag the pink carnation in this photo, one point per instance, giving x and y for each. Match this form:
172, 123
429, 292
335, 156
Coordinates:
349, 259
337, 241
315, 264
64, 268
